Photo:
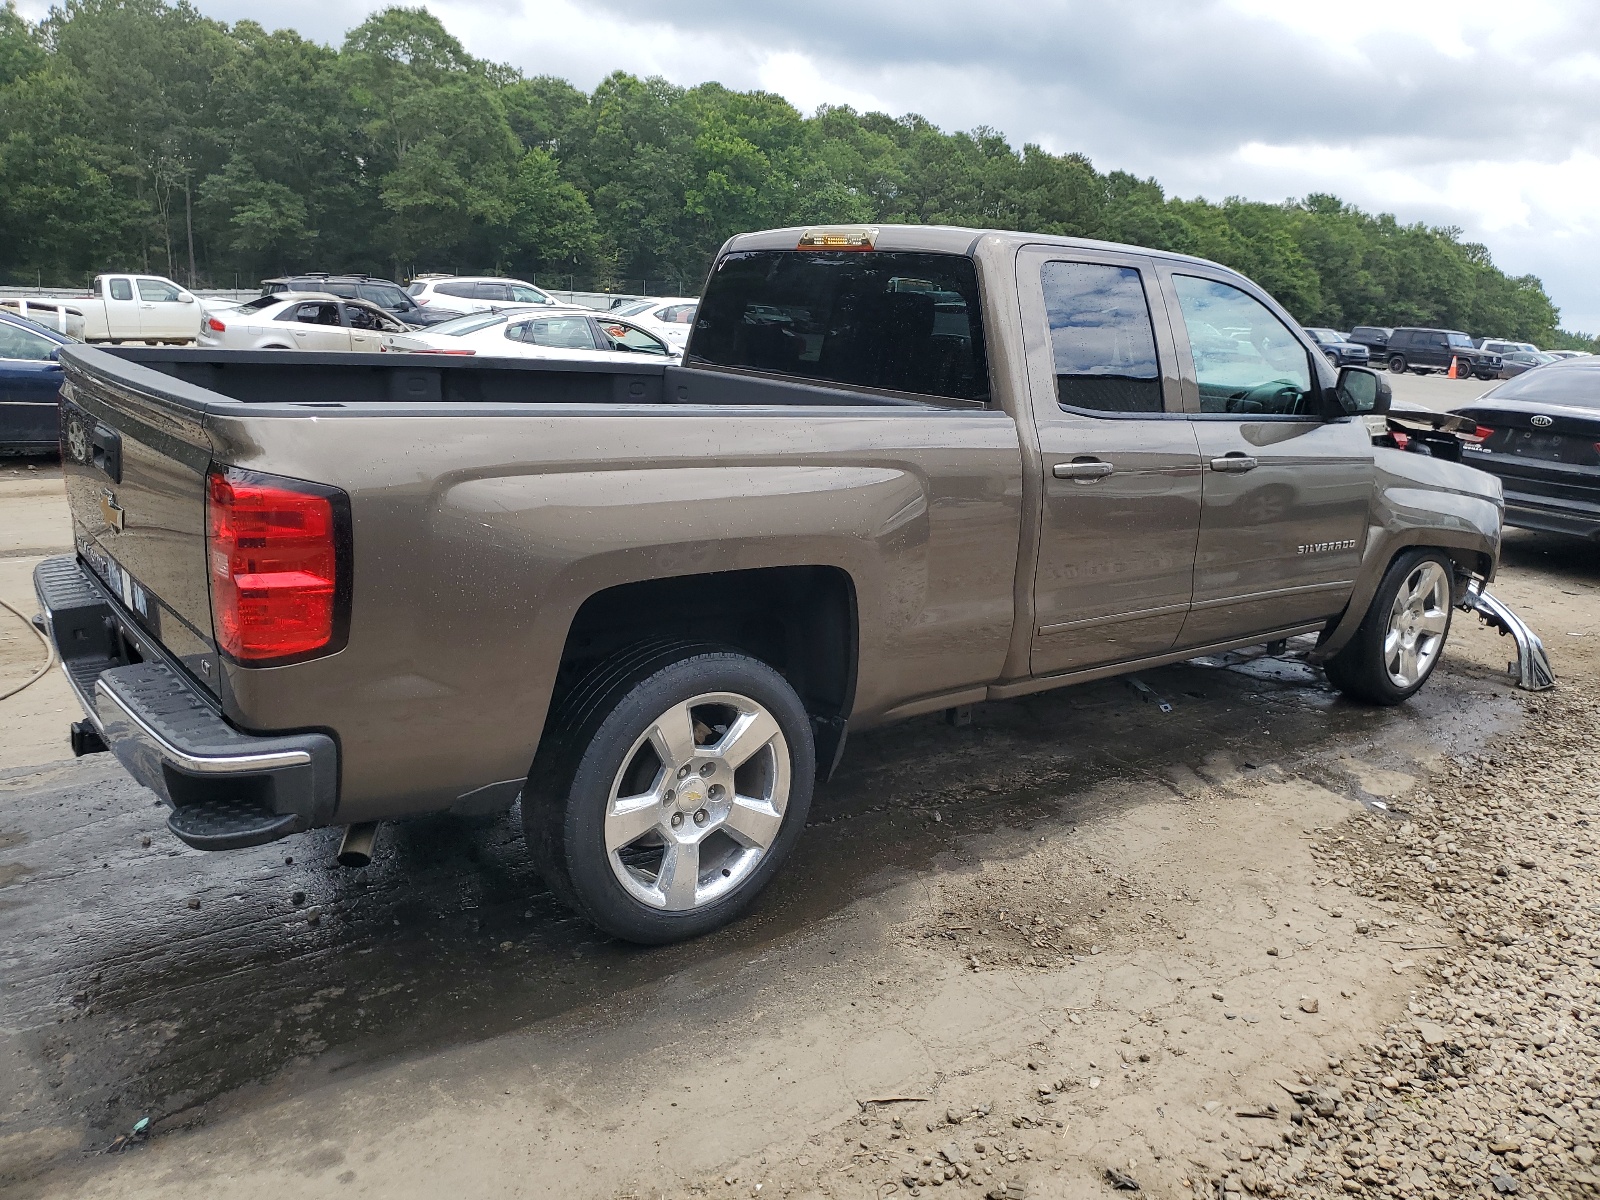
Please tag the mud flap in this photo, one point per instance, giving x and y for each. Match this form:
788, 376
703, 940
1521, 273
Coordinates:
1532, 669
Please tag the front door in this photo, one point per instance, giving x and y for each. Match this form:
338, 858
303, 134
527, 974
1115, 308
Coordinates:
1120, 464
162, 315
367, 325
1286, 488
122, 310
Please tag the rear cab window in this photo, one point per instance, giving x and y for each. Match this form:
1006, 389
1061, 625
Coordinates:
893, 321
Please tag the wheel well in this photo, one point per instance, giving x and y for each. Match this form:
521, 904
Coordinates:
801, 621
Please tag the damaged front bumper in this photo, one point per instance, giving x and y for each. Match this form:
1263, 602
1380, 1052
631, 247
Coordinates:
1531, 670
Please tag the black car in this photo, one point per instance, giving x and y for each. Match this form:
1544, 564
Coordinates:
385, 293
1339, 349
1374, 337
1424, 350
30, 383
1540, 433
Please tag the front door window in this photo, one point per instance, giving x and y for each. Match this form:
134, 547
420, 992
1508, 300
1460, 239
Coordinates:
1246, 361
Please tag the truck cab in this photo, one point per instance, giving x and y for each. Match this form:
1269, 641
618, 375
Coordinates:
147, 308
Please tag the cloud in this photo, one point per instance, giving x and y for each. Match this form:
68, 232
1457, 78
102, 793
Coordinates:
1456, 112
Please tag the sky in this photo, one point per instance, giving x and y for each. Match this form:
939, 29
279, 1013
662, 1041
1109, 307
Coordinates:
1477, 114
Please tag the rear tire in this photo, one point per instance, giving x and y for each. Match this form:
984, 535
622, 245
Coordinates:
1397, 364
670, 790
1402, 637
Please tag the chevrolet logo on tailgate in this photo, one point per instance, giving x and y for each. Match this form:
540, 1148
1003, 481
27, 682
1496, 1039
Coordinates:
110, 509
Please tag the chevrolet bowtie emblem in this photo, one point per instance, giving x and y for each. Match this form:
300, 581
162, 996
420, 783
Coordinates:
110, 509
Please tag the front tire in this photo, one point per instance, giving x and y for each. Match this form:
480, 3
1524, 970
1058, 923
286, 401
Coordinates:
1403, 634
677, 783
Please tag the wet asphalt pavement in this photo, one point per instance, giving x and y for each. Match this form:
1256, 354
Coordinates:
154, 980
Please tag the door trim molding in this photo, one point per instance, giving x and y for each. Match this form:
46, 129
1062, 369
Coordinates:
1139, 614
1277, 593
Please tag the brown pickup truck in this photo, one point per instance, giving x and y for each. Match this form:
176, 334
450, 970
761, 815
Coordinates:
900, 469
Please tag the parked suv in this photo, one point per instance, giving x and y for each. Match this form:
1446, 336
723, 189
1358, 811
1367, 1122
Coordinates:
473, 293
1338, 349
385, 293
1374, 337
1424, 350
1503, 346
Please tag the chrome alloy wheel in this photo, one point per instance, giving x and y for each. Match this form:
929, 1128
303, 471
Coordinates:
698, 801
1417, 624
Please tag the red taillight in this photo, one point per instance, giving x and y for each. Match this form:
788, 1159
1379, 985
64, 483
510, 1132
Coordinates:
214, 324
458, 352
273, 549
1481, 434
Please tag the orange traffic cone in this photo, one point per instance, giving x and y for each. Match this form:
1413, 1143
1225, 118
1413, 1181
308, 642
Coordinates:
1453, 367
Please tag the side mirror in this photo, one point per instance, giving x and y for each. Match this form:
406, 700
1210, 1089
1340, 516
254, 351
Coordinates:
185, 298
1363, 392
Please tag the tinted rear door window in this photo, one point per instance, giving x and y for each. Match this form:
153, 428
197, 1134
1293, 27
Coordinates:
899, 321
1104, 343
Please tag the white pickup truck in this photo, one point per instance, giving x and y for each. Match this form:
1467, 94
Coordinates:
118, 308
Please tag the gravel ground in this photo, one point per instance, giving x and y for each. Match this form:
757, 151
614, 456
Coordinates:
1490, 1087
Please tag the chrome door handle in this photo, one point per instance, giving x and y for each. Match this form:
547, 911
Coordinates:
1236, 464
1093, 469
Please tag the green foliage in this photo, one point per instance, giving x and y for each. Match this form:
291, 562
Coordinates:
125, 121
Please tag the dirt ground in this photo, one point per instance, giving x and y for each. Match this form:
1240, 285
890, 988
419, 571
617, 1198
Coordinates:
1080, 936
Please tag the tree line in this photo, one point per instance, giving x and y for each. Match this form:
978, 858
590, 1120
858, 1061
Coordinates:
141, 135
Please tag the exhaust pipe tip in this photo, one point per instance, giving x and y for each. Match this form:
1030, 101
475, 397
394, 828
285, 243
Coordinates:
355, 850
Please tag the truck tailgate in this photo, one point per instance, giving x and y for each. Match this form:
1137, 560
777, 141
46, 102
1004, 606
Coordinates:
135, 466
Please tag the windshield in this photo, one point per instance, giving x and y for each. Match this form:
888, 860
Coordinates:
1577, 386
260, 302
628, 310
416, 289
470, 323
1461, 341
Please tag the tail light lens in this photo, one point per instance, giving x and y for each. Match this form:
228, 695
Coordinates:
464, 353
216, 325
279, 554
1480, 434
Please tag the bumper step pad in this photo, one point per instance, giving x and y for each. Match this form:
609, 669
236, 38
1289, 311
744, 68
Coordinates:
229, 788
229, 824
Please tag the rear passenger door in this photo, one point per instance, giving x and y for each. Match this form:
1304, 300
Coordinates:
556, 337
1121, 467
1286, 491
30, 378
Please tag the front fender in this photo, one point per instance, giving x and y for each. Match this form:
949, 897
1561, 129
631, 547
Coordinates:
1421, 501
